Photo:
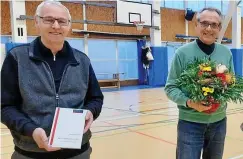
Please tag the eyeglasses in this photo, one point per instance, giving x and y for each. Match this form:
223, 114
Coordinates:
205, 24
51, 20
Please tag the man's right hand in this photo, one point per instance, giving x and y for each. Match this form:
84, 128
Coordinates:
197, 106
41, 140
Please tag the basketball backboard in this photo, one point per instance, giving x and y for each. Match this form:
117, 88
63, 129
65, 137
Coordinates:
129, 12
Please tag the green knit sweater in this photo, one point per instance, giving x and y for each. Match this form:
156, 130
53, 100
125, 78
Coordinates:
183, 55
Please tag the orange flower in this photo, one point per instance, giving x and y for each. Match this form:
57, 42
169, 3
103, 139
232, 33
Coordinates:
229, 78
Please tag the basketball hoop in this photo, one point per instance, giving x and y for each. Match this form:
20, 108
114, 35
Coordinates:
139, 25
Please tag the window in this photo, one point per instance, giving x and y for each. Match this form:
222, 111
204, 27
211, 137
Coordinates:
102, 54
196, 5
128, 59
225, 6
214, 3
177, 4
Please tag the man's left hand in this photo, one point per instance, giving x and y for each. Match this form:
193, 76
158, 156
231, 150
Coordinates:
88, 121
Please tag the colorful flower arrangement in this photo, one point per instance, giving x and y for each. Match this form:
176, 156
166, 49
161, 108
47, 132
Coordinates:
211, 84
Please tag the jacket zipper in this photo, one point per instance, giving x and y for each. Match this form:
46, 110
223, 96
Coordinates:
53, 81
57, 98
64, 71
57, 95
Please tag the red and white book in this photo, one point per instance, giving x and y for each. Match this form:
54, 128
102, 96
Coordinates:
67, 128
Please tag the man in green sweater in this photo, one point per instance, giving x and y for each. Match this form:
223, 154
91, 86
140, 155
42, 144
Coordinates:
199, 131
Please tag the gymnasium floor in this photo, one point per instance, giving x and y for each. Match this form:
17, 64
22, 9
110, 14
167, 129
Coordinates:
140, 123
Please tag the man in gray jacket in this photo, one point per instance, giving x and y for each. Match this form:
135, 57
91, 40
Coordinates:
43, 75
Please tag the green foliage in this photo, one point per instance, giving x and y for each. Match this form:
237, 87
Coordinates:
194, 78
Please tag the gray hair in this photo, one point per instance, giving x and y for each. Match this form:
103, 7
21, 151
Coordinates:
53, 2
211, 9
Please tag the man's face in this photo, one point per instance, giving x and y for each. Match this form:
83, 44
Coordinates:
208, 27
53, 31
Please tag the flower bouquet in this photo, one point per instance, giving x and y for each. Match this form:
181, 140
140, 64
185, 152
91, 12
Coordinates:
210, 83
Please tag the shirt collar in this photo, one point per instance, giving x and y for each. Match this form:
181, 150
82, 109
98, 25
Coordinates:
39, 51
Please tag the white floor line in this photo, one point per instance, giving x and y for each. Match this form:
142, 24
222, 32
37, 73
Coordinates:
135, 115
135, 105
5, 134
237, 157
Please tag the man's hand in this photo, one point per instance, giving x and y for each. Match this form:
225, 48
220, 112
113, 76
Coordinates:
41, 140
88, 121
198, 106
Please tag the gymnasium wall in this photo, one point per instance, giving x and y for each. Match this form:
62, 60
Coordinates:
109, 54
172, 21
76, 11
5, 18
106, 55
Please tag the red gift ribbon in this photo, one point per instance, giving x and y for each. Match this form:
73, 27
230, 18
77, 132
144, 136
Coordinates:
214, 108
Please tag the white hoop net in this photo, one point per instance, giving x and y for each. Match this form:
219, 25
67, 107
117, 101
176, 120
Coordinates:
139, 25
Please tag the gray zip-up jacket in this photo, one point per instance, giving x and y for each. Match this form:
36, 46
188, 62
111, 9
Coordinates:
39, 98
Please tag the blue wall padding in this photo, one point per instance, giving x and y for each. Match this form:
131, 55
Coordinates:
141, 70
9, 46
238, 61
158, 70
